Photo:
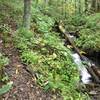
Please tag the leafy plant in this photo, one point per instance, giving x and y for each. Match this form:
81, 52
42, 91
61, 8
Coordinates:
30, 57
45, 55
52, 63
5, 28
89, 35
3, 62
93, 22
44, 23
9, 9
6, 88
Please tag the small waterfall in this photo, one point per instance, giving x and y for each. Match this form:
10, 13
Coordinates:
85, 76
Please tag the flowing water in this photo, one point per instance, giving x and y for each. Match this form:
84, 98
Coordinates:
85, 76
91, 86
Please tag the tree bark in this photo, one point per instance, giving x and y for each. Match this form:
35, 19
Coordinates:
46, 2
93, 5
98, 5
79, 6
27, 14
86, 5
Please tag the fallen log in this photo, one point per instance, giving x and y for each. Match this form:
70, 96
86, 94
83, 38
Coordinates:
63, 31
96, 70
90, 68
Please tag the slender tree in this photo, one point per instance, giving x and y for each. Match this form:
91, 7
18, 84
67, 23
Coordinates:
27, 14
75, 6
79, 6
98, 5
93, 5
36, 2
46, 2
86, 5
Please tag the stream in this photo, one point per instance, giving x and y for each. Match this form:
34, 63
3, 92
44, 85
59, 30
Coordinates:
85, 75
86, 78
84, 64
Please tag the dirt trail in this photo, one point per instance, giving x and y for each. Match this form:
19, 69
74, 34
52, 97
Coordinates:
24, 85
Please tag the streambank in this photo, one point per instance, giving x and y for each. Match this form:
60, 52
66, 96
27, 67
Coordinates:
87, 66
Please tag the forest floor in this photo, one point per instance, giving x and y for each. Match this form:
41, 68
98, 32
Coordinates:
24, 84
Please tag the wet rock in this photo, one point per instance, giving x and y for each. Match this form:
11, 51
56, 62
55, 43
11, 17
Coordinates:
93, 92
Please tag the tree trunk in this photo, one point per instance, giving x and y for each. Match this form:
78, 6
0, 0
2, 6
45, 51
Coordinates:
46, 2
79, 6
93, 5
98, 5
50, 2
1, 74
86, 5
75, 6
27, 14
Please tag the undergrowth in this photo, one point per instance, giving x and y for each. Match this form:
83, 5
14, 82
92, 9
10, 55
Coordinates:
4, 78
3, 62
42, 49
8, 11
88, 29
44, 53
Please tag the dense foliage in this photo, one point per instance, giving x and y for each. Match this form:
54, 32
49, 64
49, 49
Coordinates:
8, 11
90, 34
3, 62
44, 53
42, 49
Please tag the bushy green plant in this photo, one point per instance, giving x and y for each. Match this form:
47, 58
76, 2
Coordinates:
30, 57
3, 62
6, 88
21, 43
22, 32
78, 20
89, 40
5, 28
89, 34
9, 9
93, 22
45, 55
23, 38
5, 31
75, 22
44, 23
53, 65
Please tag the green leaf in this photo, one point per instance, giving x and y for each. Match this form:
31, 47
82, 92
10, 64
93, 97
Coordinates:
6, 88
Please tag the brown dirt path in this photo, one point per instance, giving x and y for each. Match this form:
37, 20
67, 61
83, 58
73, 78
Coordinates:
24, 85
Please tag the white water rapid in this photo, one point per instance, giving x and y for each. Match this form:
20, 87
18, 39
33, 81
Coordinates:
85, 76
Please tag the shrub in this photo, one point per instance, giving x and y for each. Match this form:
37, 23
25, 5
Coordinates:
89, 40
3, 62
89, 35
45, 55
